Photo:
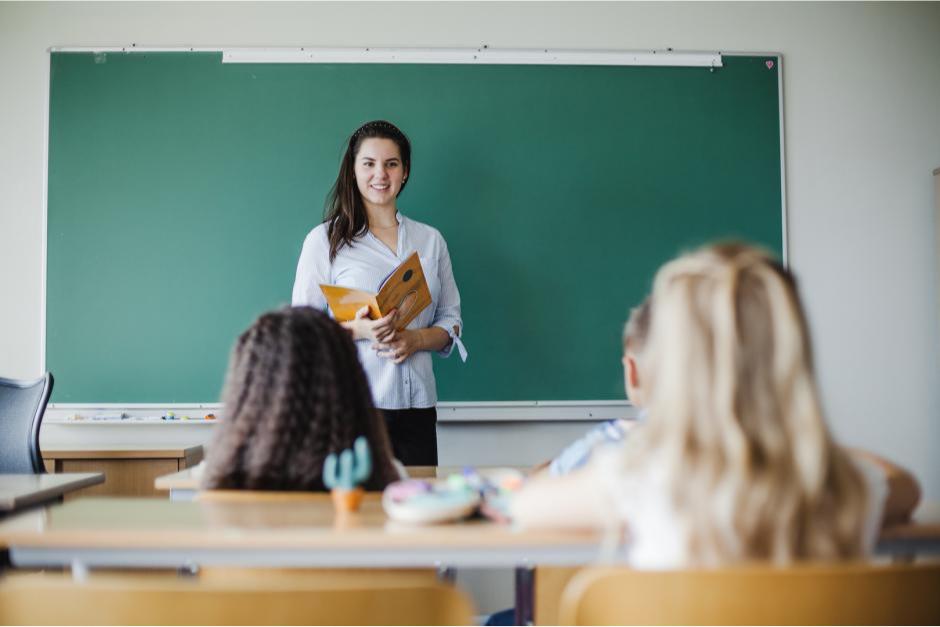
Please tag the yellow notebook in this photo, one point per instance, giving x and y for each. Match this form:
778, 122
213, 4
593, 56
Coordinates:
405, 289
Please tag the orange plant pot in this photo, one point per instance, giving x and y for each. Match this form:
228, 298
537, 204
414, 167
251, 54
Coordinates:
347, 500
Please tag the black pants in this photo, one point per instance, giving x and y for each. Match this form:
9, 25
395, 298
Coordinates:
414, 435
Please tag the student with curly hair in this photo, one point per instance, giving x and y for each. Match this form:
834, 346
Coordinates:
294, 393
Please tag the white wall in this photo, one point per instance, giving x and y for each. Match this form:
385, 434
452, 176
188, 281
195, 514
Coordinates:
862, 103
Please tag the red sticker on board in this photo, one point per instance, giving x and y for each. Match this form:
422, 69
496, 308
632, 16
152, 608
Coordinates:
769, 64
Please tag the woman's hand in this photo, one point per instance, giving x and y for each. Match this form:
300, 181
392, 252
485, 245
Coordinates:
363, 328
399, 345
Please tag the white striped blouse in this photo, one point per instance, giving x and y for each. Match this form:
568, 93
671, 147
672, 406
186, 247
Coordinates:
364, 265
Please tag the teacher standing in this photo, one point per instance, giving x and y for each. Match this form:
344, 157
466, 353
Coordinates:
361, 240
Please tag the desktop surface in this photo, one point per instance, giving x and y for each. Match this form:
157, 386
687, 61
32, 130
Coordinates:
23, 490
274, 529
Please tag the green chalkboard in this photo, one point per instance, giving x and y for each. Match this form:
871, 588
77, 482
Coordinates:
181, 189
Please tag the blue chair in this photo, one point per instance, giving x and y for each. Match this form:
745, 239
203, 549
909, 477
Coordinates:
22, 405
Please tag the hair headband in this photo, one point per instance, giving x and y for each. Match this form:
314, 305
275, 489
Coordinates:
378, 124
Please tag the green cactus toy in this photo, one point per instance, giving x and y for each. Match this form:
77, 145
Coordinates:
344, 474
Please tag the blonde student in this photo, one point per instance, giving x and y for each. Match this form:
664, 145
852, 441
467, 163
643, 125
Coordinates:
294, 393
734, 461
579, 452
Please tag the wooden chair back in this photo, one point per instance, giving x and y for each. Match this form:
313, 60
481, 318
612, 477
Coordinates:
853, 594
140, 600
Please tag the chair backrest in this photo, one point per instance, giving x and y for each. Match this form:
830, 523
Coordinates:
853, 594
22, 405
157, 600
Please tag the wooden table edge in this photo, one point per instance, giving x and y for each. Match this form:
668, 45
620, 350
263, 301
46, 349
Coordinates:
74, 481
124, 453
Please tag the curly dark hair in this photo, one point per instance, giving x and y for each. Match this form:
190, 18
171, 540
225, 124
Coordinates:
294, 393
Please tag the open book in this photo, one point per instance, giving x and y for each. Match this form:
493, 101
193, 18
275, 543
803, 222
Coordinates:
405, 289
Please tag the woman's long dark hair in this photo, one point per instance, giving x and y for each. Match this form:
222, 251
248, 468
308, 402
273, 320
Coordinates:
345, 211
294, 393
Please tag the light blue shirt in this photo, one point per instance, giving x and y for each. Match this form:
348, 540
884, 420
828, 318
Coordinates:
578, 453
364, 265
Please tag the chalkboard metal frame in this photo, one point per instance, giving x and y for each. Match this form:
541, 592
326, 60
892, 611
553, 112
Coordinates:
451, 411
483, 55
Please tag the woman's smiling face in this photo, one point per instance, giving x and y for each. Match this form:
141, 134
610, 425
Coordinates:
379, 172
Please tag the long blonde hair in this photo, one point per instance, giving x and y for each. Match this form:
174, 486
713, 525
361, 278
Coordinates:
735, 422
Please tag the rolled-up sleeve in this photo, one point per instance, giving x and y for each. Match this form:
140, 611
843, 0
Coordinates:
313, 269
447, 313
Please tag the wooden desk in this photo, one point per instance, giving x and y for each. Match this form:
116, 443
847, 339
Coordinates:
295, 532
303, 532
130, 470
919, 536
18, 492
910, 539
184, 484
